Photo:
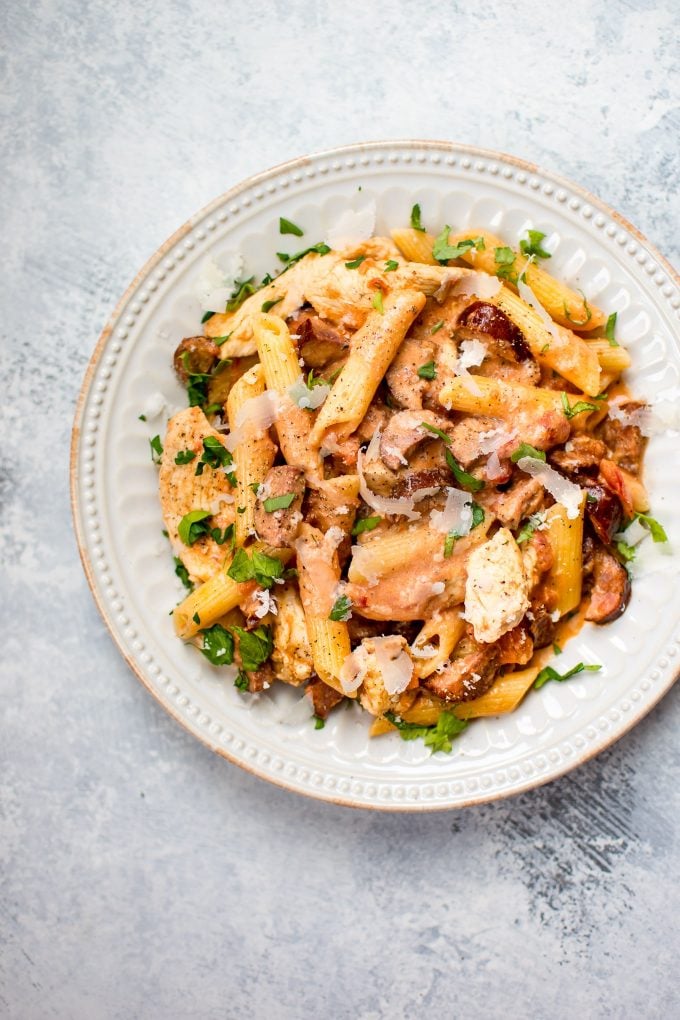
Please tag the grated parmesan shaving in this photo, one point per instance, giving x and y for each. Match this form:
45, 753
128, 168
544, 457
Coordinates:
266, 603
301, 394
353, 226
373, 448
354, 669
390, 505
216, 283
560, 488
456, 515
477, 284
396, 670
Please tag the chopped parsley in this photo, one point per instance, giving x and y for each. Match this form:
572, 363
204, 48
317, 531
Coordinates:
478, 517
268, 305
355, 263
197, 384
416, 222
319, 723
437, 738
223, 536
261, 568
321, 248
437, 326
609, 330
449, 543
193, 525
525, 450
571, 410
142, 417
391, 265
156, 449
532, 524
342, 609
548, 673
184, 456
442, 251
556, 648
242, 290
504, 258
428, 370
255, 646
215, 455
219, 340
183, 574
377, 302
586, 308
218, 645
206, 316
533, 245
287, 227
242, 682
655, 529
366, 524
463, 477
436, 432
627, 552
278, 502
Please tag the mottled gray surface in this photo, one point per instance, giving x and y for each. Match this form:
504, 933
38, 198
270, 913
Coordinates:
141, 875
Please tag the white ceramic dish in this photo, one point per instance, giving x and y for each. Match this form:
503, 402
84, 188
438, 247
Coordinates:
128, 562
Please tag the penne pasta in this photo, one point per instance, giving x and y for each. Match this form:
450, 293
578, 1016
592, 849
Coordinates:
441, 632
415, 245
281, 367
477, 394
254, 454
614, 360
565, 306
373, 348
566, 539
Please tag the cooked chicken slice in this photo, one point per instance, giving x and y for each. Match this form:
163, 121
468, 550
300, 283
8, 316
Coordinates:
496, 590
608, 582
524, 497
292, 654
468, 433
581, 453
279, 527
468, 675
626, 442
342, 296
385, 671
181, 490
406, 386
333, 503
404, 431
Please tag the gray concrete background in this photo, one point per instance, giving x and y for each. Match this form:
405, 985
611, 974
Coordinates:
142, 876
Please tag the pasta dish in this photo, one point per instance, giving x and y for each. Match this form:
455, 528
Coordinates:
408, 472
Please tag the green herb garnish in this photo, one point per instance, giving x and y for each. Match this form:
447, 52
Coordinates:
438, 737
415, 219
377, 302
319, 723
655, 529
242, 682
242, 290
286, 227
366, 524
183, 574
428, 370
442, 251
463, 478
548, 673
218, 645
193, 525
278, 502
156, 449
355, 263
342, 609
571, 410
525, 450
206, 316
609, 330
504, 258
261, 568
185, 456
391, 265
268, 305
255, 646
533, 245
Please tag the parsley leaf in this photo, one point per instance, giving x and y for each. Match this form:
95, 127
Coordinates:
214, 455
437, 326
342, 609
415, 219
443, 251
627, 552
438, 737
218, 645
525, 450
436, 432
193, 525
428, 370
556, 648
533, 523
655, 529
184, 456
320, 248
261, 568
571, 410
255, 646
222, 537
268, 305
319, 723
391, 265
609, 329
504, 258
355, 263
278, 502
156, 449
449, 543
183, 574
242, 682
551, 674
533, 245
206, 316
463, 478
377, 302
478, 515
366, 524
286, 227
219, 340
242, 290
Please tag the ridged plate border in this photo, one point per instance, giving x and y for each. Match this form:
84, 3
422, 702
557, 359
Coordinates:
625, 244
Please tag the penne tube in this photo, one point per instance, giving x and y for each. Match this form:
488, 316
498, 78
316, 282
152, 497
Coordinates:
415, 245
281, 367
503, 697
373, 348
318, 578
561, 350
566, 539
567, 307
477, 394
254, 454
614, 360
442, 631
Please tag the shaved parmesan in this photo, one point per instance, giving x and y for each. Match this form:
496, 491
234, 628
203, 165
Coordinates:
527, 295
373, 448
495, 439
560, 488
303, 396
353, 226
494, 468
423, 651
353, 670
216, 283
261, 412
456, 515
652, 421
396, 670
479, 285
471, 354
154, 406
266, 603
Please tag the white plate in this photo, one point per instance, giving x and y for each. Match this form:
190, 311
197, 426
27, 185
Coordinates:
118, 522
